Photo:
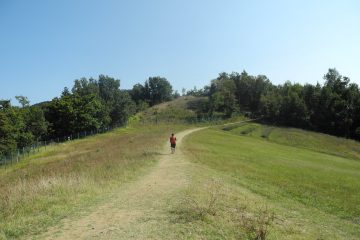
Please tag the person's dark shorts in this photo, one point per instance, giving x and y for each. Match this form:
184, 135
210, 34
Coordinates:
173, 145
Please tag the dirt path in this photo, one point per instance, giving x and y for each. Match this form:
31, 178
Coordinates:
140, 210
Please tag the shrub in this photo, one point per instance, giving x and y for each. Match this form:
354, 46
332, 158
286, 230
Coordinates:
197, 205
256, 225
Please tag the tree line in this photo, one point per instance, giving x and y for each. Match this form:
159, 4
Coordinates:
91, 104
332, 108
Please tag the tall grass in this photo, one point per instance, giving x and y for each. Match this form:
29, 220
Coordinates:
48, 186
199, 201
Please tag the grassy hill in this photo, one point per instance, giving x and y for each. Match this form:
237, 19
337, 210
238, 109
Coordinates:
186, 109
238, 181
67, 178
299, 138
310, 181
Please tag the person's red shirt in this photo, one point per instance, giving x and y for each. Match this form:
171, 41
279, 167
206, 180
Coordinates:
173, 140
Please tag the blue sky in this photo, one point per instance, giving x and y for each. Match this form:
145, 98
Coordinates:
46, 45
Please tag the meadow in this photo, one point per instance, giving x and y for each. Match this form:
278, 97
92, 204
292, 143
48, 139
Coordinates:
230, 179
72, 177
309, 181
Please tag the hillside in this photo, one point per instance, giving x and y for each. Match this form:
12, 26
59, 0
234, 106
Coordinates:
313, 192
184, 109
228, 181
66, 178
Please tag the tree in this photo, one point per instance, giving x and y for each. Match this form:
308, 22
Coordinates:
160, 90
84, 87
20, 127
7, 130
108, 88
183, 92
123, 109
4, 104
23, 101
195, 92
222, 95
249, 90
76, 113
354, 111
293, 111
60, 113
118, 103
335, 81
65, 92
270, 104
92, 104
35, 122
90, 113
243, 89
138, 94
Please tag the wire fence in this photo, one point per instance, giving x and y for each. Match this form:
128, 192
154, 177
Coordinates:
21, 153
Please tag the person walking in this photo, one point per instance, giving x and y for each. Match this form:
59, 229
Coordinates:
173, 143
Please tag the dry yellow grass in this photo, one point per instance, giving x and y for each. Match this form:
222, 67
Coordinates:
52, 184
127, 213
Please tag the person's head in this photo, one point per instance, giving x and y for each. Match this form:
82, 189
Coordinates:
172, 134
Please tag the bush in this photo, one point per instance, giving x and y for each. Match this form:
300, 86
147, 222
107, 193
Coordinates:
197, 205
256, 225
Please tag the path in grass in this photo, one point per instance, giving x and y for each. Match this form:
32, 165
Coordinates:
138, 210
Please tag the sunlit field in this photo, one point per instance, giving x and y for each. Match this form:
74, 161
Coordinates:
68, 177
312, 188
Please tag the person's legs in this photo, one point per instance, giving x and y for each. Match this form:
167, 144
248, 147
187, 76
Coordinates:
172, 148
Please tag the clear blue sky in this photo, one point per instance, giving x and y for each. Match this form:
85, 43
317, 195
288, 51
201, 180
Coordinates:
46, 45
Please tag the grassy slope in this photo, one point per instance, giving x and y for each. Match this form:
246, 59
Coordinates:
176, 110
314, 194
68, 177
302, 139
308, 180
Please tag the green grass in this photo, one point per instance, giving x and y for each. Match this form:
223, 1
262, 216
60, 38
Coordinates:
301, 139
184, 110
174, 111
68, 178
244, 179
308, 186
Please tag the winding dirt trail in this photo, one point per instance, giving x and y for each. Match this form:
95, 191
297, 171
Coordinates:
138, 211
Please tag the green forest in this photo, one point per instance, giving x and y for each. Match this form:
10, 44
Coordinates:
332, 108
92, 104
